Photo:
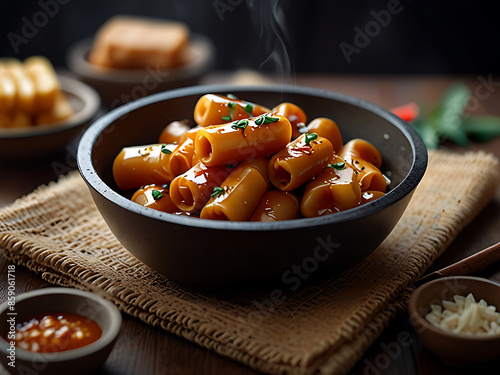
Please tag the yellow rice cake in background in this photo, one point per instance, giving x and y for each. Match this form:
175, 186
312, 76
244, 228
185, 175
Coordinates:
30, 93
45, 80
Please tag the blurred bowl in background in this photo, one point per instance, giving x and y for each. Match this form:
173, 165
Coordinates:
41, 140
120, 86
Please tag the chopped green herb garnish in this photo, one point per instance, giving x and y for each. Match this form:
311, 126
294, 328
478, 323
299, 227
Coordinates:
310, 137
339, 166
231, 96
226, 118
240, 124
232, 109
165, 150
248, 109
217, 191
265, 119
156, 194
268, 119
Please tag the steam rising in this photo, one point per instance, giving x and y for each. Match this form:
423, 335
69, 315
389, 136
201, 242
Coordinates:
269, 19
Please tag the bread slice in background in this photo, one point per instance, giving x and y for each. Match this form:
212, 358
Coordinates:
125, 42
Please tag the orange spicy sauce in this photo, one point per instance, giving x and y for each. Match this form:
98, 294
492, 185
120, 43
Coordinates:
50, 333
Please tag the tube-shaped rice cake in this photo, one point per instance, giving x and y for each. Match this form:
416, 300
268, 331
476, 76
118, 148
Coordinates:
361, 149
370, 195
7, 91
191, 190
294, 114
366, 159
369, 176
214, 109
24, 86
45, 80
301, 160
155, 197
276, 205
333, 190
174, 132
242, 139
138, 166
240, 193
61, 110
328, 129
19, 120
183, 156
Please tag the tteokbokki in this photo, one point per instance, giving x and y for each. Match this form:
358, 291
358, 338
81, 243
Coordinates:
245, 162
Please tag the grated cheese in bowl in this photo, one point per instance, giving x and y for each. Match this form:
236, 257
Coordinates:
465, 316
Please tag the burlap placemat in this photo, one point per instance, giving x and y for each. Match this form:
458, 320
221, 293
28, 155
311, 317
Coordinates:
57, 232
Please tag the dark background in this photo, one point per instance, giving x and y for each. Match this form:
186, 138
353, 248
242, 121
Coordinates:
436, 37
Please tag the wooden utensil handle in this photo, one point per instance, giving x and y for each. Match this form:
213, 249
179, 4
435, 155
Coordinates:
474, 263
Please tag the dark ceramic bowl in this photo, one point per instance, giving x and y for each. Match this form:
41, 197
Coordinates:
120, 86
83, 360
211, 253
452, 348
41, 140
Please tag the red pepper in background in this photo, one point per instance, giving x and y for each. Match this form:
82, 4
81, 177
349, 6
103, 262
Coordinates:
407, 112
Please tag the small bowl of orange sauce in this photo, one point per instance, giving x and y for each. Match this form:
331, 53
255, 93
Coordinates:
57, 330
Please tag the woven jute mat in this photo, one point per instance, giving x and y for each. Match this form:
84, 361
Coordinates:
58, 233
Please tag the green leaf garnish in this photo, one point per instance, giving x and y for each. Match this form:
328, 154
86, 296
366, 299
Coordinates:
338, 166
240, 124
481, 128
165, 150
269, 119
156, 194
248, 109
428, 132
217, 191
447, 121
446, 118
265, 119
232, 109
310, 137
226, 118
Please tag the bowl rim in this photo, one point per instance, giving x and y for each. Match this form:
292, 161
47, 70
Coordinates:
405, 187
78, 63
417, 319
109, 333
92, 103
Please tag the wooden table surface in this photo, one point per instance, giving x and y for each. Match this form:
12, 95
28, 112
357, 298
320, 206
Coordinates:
141, 349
